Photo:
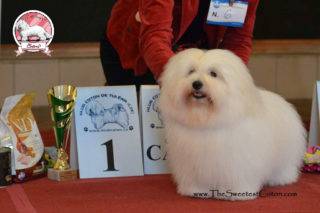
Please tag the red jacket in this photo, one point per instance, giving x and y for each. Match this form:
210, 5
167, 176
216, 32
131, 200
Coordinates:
149, 44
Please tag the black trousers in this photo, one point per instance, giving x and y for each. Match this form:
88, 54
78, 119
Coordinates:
113, 71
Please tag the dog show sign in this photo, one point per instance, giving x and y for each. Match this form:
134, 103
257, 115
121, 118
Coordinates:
154, 153
33, 31
314, 134
107, 132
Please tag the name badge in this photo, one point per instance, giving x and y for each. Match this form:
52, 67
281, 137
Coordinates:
224, 13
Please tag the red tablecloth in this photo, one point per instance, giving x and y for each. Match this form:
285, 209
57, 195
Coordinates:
154, 193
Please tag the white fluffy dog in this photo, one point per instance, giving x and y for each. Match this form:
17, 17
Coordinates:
226, 137
26, 31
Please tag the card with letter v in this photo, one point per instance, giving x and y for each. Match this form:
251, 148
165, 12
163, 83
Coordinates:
108, 132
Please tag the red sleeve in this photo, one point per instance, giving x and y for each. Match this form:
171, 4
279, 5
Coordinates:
239, 40
156, 33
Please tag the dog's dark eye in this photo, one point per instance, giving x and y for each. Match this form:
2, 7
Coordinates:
213, 74
191, 71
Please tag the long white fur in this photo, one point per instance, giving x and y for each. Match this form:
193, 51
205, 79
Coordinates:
246, 138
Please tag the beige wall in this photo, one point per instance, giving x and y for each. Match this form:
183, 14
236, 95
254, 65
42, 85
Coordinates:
19, 76
292, 76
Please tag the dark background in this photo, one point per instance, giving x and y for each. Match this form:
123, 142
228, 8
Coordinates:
84, 20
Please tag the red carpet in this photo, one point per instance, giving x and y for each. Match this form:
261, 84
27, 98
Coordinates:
147, 194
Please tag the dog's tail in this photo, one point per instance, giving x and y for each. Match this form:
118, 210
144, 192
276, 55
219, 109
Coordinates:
48, 36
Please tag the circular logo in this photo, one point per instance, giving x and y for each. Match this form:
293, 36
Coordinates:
33, 31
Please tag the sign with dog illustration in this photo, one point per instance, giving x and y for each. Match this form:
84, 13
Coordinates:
33, 31
107, 132
154, 152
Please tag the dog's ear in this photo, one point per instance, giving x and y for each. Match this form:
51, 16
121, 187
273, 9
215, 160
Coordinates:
120, 107
99, 108
94, 108
89, 109
155, 105
18, 24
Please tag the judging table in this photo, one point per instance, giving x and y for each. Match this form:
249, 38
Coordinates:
152, 193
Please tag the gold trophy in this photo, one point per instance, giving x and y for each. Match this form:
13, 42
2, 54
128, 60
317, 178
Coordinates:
62, 100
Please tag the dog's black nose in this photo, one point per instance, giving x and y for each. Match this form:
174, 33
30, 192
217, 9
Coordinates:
197, 85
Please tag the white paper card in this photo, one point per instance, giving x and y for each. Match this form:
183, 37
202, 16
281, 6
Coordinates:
108, 132
154, 153
222, 13
314, 134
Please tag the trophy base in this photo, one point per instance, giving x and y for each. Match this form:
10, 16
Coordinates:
62, 175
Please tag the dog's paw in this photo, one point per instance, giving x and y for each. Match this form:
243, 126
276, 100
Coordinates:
287, 176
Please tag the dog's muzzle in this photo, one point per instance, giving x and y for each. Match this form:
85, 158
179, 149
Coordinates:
198, 94
196, 90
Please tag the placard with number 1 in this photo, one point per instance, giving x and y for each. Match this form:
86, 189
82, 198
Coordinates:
108, 132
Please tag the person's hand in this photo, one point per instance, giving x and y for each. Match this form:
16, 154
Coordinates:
137, 16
